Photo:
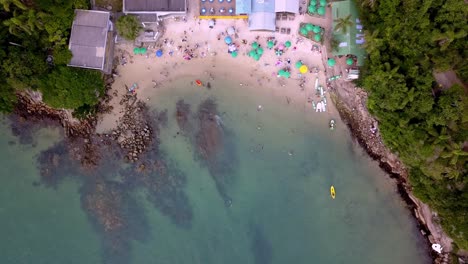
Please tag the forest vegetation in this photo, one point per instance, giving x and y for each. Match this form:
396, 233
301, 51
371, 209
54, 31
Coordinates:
424, 123
34, 53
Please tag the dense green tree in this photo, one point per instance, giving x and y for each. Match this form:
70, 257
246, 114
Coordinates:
427, 126
128, 27
67, 87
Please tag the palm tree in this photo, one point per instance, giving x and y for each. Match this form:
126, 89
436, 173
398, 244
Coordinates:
342, 24
369, 3
6, 4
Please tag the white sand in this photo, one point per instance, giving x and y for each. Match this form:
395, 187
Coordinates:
149, 70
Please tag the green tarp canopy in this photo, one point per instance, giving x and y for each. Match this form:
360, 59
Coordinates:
331, 62
298, 64
321, 11
270, 44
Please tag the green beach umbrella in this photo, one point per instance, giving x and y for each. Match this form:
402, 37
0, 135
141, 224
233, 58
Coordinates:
287, 44
136, 50
281, 72
309, 26
234, 54
298, 64
323, 2
313, 2
311, 9
259, 51
316, 29
256, 57
331, 62
321, 11
254, 45
143, 50
349, 61
287, 74
252, 53
317, 37
303, 31
270, 44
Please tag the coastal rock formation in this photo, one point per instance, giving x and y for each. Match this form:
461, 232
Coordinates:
351, 104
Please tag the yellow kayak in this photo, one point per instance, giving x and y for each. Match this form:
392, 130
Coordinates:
332, 192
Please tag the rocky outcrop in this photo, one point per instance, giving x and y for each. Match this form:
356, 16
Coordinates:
351, 104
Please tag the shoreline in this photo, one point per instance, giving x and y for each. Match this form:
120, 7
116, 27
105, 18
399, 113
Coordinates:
357, 121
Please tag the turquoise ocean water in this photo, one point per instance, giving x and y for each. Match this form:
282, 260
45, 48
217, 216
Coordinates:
285, 160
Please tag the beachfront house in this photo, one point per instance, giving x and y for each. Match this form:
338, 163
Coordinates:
159, 8
262, 13
351, 38
91, 40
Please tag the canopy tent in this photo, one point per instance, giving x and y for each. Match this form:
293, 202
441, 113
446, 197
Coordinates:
331, 62
303, 69
270, 44
312, 9
231, 30
321, 11
298, 64
159, 53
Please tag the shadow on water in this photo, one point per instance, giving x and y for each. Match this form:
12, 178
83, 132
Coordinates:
261, 247
214, 143
25, 130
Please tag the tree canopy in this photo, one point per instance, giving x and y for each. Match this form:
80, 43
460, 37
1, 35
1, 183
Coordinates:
128, 27
30, 32
425, 124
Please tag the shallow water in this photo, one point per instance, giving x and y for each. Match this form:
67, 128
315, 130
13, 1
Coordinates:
286, 159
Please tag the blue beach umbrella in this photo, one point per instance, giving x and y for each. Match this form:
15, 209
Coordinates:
228, 40
159, 53
203, 10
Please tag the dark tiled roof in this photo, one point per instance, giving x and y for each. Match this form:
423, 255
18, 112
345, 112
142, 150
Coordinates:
154, 5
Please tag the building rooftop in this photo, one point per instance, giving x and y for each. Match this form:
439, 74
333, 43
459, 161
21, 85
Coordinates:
350, 41
142, 6
88, 39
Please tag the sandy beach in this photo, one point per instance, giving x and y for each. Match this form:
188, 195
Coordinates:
210, 60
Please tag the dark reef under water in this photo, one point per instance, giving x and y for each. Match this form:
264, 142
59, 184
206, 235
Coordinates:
111, 185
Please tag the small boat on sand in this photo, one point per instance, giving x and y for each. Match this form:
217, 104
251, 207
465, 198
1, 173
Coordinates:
332, 192
332, 124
